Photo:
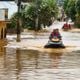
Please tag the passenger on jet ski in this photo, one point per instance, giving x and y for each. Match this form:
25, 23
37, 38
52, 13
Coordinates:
54, 34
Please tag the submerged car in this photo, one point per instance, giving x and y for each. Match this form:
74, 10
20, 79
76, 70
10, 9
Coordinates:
55, 43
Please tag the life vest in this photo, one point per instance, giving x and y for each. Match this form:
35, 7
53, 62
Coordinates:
55, 34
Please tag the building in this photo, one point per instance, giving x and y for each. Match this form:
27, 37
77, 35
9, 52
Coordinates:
3, 22
3, 25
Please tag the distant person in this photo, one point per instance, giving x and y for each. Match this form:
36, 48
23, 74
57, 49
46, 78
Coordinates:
55, 33
69, 26
66, 26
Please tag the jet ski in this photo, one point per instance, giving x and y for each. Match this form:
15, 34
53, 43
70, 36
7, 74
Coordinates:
66, 27
54, 43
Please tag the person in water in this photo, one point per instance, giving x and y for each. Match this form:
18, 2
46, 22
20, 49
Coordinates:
55, 33
66, 26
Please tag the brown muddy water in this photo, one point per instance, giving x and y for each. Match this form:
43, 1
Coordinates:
40, 64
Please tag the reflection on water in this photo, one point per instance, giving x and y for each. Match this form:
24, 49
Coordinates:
35, 65
48, 64
56, 58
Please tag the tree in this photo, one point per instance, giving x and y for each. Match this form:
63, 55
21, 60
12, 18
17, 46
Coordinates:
13, 20
70, 9
78, 6
44, 9
77, 21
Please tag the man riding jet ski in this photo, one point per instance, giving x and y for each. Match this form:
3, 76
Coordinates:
66, 27
55, 40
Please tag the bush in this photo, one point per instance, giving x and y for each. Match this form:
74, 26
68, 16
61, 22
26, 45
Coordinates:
77, 22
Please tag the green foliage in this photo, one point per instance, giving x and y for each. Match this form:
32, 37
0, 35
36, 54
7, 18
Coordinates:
65, 5
77, 21
30, 16
43, 9
78, 6
13, 21
70, 9
48, 10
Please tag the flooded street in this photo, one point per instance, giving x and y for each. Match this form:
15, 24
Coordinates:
37, 63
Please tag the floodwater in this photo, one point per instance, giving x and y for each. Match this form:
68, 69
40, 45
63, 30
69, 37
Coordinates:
39, 64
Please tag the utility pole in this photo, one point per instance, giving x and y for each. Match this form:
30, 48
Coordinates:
36, 20
18, 29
